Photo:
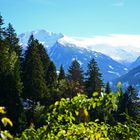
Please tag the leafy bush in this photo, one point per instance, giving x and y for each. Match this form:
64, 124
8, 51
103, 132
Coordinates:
4, 134
70, 119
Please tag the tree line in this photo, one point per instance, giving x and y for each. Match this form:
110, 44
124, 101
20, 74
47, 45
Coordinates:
31, 79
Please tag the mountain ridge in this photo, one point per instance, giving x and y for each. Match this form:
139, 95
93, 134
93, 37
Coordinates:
130, 78
104, 44
108, 67
63, 49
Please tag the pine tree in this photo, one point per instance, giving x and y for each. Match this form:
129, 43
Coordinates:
51, 84
107, 88
93, 81
75, 77
44, 59
131, 98
128, 104
75, 72
2, 29
12, 42
33, 73
61, 74
2, 34
9, 90
3, 50
10, 84
51, 75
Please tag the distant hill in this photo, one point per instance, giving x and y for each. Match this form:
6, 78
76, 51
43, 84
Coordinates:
130, 78
135, 63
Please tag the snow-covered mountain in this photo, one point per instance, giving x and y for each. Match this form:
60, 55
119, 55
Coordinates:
123, 48
64, 54
135, 63
130, 78
63, 49
48, 39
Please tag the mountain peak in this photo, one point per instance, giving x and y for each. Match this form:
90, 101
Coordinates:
47, 38
114, 46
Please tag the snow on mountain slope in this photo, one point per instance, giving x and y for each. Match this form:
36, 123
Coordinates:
135, 63
122, 48
63, 49
48, 39
64, 54
130, 78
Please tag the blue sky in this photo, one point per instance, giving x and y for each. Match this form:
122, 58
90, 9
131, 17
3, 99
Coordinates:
84, 18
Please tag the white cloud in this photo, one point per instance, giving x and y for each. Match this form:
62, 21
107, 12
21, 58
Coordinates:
121, 47
114, 40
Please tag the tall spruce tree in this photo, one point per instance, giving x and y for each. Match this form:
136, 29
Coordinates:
51, 75
45, 60
51, 84
93, 80
61, 75
75, 72
3, 49
2, 29
130, 101
128, 104
75, 77
10, 84
9, 91
107, 88
33, 73
2, 46
12, 42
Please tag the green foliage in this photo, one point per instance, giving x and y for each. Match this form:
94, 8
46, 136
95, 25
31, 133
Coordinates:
10, 81
11, 40
70, 119
51, 75
76, 79
61, 74
33, 73
119, 84
38, 115
93, 81
45, 61
2, 29
74, 87
10, 84
75, 72
52, 93
107, 88
4, 134
61, 90
129, 130
7, 60
129, 104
